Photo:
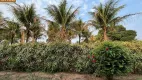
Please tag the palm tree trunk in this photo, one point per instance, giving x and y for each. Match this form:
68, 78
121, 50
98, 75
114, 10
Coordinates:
12, 39
33, 40
63, 34
27, 39
79, 38
86, 40
69, 40
28, 36
105, 34
22, 37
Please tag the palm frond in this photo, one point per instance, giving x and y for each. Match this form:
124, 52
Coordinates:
119, 19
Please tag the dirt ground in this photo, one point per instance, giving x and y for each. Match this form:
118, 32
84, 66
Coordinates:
58, 76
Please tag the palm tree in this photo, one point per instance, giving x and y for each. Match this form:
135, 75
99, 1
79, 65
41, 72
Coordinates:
86, 34
106, 14
70, 34
80, 28
25, 15
2, 20
53, 31
62, 16
2, 23
1, 15
11, 31
37, 30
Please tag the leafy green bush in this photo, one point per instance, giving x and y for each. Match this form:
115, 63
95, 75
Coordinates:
136, 50
54, 57
112, 59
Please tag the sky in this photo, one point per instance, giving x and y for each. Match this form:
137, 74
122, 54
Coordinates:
132, 6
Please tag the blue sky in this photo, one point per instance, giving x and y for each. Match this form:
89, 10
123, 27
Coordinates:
132, 6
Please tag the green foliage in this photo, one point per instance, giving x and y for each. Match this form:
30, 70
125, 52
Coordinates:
136, 50
128, 35
121, 34
53, 31
11, 31
80, 28
106, 14
54, 57
62, 16
63, 57
26, 16
112, 59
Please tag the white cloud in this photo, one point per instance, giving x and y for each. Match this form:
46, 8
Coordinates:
76, 3
82, 14
5, 10
92, 10
85, 7
103, 1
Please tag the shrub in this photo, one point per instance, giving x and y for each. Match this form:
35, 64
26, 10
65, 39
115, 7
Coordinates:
112, 59
136, 50
54, 57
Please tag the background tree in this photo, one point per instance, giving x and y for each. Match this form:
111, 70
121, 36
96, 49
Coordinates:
25, 15
70, 35
86, 34
106, 14
2, 23
118, 33
53, 32
128, 35
62, 16
121, 34
37, 29
1, 18
80, 28
11, 31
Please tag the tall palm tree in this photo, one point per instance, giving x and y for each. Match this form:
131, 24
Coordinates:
62, 16
25, 15
106, 14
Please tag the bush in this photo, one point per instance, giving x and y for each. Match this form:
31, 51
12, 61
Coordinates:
136, 50
54, 57
112, 59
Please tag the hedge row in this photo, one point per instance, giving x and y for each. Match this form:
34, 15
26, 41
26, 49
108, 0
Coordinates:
58, 57
55, 57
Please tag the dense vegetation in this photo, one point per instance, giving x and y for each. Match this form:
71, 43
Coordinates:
55, 57
21, 51
58, 57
